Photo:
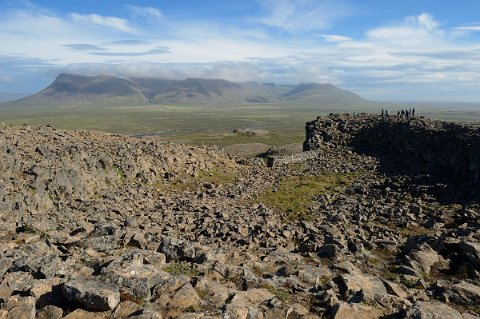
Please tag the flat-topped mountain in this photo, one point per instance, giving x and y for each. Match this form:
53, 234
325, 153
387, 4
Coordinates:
69, 89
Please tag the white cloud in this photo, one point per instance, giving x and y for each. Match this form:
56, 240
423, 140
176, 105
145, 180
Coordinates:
146, 12
426, 21
303, 15
238, 72
468, 28
103, 21
412, 31
336, 38
415, 52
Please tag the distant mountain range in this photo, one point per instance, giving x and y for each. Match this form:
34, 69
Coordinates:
69, 89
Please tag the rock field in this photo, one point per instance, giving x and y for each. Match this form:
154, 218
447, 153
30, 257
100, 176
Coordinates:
94, 225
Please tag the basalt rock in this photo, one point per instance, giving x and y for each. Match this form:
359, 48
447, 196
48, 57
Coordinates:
94, 225
447, 151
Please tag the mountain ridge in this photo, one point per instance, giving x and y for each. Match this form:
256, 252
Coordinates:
72, 89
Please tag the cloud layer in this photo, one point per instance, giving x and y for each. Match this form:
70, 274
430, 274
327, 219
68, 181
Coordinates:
413, 57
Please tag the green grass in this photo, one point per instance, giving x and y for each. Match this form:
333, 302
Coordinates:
217, 176
295, 194
414, 230
120, 173
226, 139
280, 293
180, 270
165, 120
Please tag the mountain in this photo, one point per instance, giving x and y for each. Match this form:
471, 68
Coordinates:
10, 96
72, 90
325, 93
69, 89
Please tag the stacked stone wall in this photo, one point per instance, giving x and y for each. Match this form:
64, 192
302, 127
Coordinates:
437, 147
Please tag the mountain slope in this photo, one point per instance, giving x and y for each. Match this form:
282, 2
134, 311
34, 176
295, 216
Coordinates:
321, 93
69, 89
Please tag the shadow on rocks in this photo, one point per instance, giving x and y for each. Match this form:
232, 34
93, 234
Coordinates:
442, 159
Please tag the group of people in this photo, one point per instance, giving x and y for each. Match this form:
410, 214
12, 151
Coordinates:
403, 113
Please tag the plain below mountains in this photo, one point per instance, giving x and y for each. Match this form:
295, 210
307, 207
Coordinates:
73, 90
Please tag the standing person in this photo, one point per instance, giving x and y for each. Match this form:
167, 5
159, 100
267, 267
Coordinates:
413, 112
403, 113
387, 113
398, 113
382, 112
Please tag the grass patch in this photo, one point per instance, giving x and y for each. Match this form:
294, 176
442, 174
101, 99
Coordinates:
411, 283
217, 176
415, 230
391, 276
120, 173
281, 294
226, 139
180, 270
381, 256
295, 194
258, 271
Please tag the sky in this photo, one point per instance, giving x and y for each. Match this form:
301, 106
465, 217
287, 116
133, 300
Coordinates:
409, 50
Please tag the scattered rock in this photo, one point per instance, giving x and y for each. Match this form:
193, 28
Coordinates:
93, 295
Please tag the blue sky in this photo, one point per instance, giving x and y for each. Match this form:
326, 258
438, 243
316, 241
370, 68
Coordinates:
382, 50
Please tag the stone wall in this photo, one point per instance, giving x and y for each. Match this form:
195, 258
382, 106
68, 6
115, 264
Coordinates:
447, 150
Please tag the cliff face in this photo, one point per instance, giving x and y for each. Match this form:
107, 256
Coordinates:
444, 150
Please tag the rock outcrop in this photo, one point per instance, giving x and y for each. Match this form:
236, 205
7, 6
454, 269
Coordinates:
445, 150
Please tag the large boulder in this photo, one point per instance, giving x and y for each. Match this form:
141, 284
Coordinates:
472, 251
464, 293
423, 257
370, 286
177, 293
358, 311
432, 310
132, 275
245, 304
93, 295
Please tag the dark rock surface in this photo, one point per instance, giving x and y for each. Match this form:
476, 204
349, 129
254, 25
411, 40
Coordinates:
439, 151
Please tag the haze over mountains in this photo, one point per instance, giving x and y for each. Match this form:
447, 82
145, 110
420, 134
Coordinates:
69, 89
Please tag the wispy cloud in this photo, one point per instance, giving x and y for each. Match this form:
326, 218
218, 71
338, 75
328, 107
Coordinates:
106, 48
103, 21
407, 55
303, 15
468, 28
414, 30
144, 12
84, 47
127, 43
155, 51
335, 38
233, 71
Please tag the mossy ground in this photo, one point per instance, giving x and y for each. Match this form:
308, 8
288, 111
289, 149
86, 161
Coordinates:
178, 269
294, 194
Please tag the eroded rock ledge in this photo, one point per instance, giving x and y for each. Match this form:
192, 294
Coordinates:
446, 151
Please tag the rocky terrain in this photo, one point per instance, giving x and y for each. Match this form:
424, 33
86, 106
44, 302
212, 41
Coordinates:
95, 225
